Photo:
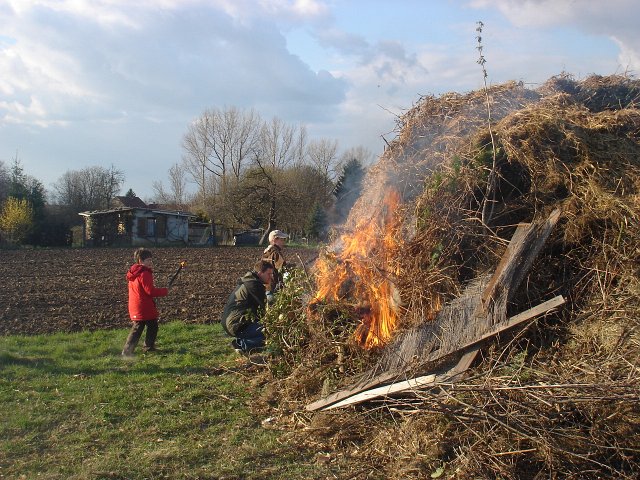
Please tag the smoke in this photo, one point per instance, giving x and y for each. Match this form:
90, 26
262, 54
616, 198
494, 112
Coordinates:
432, 135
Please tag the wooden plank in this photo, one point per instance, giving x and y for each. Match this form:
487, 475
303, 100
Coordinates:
544, 307
344, 395
515, 320
385, 391
523, 248
413, 384
358, 387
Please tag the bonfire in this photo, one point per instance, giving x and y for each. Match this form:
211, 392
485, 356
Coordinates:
361, 270
555, 398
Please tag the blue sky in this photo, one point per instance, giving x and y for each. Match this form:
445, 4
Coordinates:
102, 82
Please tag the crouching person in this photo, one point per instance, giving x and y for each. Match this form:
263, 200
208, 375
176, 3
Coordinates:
241, 315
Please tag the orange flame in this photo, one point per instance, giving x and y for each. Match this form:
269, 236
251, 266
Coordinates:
361, 272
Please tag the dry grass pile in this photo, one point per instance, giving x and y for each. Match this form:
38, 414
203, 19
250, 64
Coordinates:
560, 398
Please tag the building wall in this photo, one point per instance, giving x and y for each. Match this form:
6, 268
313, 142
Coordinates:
146, 231
136, 227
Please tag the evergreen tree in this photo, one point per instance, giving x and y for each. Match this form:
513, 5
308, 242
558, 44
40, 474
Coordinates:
317, 224
348, 188
26, 188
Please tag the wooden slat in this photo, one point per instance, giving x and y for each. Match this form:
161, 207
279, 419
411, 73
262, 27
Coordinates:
523, 248
413, 384
519, 318
358, 387
544, 307
385, 391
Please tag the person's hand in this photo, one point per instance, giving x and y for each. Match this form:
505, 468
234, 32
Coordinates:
270, 297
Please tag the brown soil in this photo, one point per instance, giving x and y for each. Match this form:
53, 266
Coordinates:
65, 290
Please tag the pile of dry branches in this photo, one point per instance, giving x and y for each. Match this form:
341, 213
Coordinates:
560, 399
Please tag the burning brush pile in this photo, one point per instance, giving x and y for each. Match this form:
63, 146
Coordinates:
556, 397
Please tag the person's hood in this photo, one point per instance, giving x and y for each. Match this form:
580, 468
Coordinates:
248, 277
136, 270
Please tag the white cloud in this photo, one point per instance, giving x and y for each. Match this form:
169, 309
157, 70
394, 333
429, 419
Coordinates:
531, 13
115, 67
616, 19
629, 59
117, 81
180, 59
300, 10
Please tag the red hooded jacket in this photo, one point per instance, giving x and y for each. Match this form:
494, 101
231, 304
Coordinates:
141, 293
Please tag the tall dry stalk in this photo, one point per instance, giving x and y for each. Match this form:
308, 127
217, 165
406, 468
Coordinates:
487, 211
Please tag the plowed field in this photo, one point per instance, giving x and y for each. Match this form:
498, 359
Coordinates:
65, 290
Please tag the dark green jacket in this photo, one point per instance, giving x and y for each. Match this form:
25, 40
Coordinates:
244, 304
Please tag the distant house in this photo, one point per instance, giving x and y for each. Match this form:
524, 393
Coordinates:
132, 222
248, 237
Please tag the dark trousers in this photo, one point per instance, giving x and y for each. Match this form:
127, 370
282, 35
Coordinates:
251, 337
136, 332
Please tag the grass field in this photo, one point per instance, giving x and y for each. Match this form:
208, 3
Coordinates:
72, 408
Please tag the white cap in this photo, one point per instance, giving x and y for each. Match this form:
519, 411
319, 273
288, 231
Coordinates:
277, 234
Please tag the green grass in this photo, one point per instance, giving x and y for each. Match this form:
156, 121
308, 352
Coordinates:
72, 408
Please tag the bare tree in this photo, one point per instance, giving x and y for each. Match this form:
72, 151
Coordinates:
323, 156
177, 189
279, 144
235, 138
218, 146
301, 141
198, 151
91, 188
277, 149
111, 185
178, 184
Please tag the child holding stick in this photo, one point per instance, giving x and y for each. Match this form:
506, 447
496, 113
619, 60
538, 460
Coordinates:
142, 307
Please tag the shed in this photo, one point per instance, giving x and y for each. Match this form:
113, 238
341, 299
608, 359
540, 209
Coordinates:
137, 225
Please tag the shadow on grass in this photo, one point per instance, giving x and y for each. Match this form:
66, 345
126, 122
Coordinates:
7, 359
118, 365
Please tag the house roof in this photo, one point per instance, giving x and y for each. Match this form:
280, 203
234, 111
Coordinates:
131, 202
174, 213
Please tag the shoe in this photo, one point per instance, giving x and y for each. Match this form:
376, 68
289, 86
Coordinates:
149, 349
236, 346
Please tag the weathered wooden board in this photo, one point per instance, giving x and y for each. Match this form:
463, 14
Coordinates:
412, 384
524, 247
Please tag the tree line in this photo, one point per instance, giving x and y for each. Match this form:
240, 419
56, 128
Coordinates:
244, 173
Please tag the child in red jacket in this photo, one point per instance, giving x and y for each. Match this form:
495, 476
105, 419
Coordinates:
142, 307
